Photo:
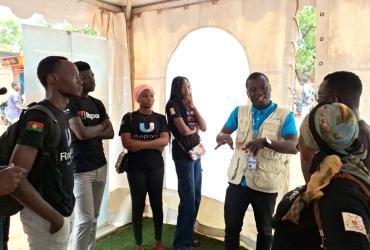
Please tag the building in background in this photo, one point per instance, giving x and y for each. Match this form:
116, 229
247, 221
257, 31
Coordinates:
11, 69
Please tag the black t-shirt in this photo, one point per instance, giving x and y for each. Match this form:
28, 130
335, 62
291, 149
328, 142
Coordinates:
144, 128
174, 110
364, 137
53, 178
340, 198
88, 155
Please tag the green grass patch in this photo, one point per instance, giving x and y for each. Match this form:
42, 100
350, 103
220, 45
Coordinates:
123, 239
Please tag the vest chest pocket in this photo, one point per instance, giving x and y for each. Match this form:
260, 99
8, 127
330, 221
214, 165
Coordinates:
243, 131
271, 129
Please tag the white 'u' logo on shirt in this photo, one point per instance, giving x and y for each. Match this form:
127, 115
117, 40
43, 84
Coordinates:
146, 130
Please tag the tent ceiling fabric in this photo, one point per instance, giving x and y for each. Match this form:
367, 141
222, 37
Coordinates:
135, 3
76, 12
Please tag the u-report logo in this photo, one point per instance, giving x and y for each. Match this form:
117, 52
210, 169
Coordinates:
87, 115
146, 130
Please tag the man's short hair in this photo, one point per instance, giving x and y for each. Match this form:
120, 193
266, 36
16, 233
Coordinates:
82, 66
48, 66
256, 75
14, 83
346, 86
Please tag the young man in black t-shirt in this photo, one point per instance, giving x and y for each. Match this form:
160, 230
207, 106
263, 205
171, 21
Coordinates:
343, 87
47, 193
90, 124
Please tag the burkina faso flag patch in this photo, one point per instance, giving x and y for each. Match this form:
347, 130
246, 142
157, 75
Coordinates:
35, 126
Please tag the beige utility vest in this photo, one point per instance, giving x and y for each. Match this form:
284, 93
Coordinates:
271, 169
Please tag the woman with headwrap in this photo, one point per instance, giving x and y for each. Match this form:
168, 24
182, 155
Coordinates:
144, 134
332, 211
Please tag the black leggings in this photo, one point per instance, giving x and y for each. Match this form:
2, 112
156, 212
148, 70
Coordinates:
140, 184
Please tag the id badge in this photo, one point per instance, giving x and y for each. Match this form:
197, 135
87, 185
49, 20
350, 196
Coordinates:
252, 162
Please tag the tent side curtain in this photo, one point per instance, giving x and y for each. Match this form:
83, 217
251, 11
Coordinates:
113, 26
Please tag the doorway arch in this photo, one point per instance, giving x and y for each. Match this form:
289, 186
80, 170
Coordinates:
216, 65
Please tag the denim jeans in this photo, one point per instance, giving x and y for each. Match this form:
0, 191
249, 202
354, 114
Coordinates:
237, 201
88, 190
189, 175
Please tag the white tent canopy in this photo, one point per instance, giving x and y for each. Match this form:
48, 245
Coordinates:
143, 35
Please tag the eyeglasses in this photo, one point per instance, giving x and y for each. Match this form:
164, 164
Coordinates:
318, 96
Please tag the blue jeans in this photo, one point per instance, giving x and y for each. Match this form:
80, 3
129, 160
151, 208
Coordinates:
189, 175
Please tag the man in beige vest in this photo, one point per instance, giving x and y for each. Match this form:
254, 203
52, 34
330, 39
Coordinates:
265, 134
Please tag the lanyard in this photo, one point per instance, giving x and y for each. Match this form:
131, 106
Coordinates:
254, 130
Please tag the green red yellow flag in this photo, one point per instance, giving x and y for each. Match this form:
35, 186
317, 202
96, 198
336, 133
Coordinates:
35, 126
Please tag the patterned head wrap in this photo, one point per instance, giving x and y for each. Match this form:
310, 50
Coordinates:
334, 129
335, 124
139, 89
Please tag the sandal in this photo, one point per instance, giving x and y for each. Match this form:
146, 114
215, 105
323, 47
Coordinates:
195, 242
159, 247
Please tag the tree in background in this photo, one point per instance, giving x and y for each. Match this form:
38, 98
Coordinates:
10, 35
306, 52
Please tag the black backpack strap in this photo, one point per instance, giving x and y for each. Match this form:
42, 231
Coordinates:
53, 137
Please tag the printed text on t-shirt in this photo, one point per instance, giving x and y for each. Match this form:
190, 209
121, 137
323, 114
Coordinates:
87, 115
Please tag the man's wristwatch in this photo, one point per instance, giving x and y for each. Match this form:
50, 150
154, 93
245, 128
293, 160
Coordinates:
268, 142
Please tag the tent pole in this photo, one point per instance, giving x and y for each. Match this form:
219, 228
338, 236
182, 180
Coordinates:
128, 10
169, 4
107, 6
130, 38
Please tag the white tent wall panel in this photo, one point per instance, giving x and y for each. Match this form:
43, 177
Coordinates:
154, 45
262, 34
344, 27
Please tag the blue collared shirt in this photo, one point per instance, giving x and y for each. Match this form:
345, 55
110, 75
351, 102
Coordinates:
259, 116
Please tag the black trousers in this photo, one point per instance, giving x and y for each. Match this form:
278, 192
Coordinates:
4, 231
140, 184
237, 201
